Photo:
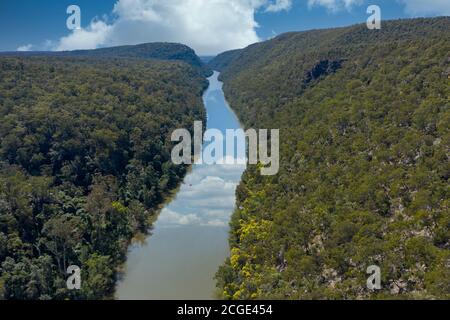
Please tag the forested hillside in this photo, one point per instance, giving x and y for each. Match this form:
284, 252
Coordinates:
84, 164
364, 180
224, 60
156, 50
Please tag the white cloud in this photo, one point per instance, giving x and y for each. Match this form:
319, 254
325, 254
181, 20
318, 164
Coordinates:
94, 36
206, 198
335, 5
216, 223
26, 47
424, 7
170, 217
279, 5
208, 26
412, 7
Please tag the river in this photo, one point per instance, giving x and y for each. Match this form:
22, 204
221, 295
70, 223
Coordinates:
189, 241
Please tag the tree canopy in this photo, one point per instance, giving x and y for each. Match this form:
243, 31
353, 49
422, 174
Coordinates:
84, 164
364, 122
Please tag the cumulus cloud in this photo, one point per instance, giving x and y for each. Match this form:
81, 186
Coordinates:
97, 34
423, 7
208, 26
26, 47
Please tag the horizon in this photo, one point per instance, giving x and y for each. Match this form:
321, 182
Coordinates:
215, 55
208, 27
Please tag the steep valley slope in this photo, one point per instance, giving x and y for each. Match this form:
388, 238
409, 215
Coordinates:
364, 119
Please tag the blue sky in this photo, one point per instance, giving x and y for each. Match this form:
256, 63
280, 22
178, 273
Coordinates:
301, 17
35, 21
209, 26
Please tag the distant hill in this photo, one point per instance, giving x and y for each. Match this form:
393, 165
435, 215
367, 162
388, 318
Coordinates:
157, 50
206, 59
364, 119
223, 60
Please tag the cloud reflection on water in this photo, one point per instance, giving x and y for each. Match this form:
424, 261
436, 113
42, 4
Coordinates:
207, 196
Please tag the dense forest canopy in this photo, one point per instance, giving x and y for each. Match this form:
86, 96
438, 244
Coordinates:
364, 179
155, 50
84, 163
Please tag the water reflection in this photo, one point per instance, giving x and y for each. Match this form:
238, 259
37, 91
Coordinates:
189, 240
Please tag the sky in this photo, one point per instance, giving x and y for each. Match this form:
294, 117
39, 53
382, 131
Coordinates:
208, 26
